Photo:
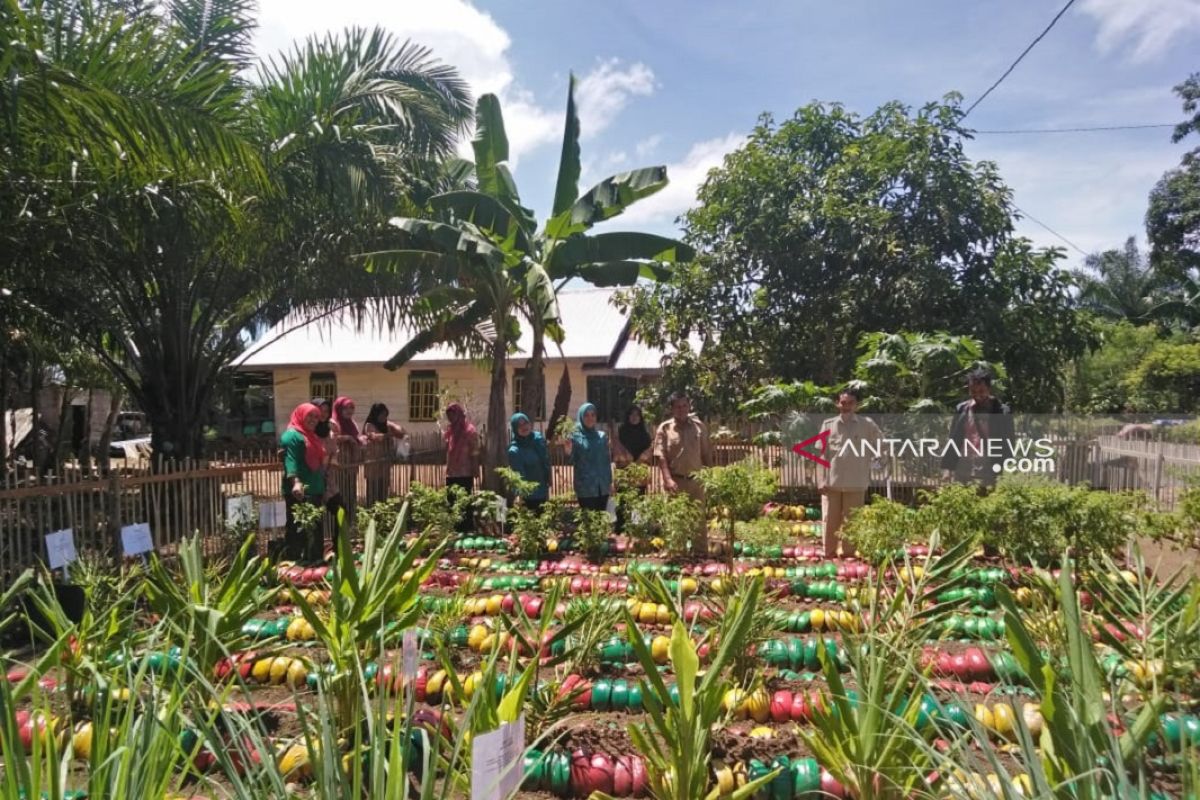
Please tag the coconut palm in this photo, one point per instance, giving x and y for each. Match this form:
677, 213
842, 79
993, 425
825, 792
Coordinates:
494, 265
185, 257
1124, 285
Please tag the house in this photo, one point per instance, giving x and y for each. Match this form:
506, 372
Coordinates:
334, 356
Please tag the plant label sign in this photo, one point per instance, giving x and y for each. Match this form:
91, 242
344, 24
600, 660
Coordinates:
501, 510
272, 515
611, 508
411, 654
239, 510
136, 539
60, 549
497, 761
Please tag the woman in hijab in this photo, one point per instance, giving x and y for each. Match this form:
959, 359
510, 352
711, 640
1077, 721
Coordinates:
634, 438
527, 454
632, 447
588, 448
380, 431
303, 478
462, 454
348, 444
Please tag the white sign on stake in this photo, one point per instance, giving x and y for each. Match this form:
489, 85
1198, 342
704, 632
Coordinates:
497, 760
239, 510
60, 549
502, 510
411, 654
136, 539
611, 508
272, 515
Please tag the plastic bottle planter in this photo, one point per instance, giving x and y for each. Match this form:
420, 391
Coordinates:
314, 597
157, 663
973, 664
984, 576
985, 629
296, 575
617, 650
798, 654
983, 596
502, 583
1179, 730
818, 619
269, 670
480, 544
266, 629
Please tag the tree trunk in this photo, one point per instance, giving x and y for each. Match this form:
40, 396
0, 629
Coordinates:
497, 432
84, 454
533, 390
35, 388
114, 408
64, 409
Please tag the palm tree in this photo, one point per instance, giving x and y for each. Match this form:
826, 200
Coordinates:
1124, 285
186, 256
493, 265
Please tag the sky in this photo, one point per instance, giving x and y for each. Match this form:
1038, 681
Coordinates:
682, 83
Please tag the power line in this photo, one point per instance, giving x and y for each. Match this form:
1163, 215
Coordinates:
1021, 57
1080, 130
1031, 217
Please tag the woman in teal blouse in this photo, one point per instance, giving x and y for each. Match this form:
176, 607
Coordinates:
303, 480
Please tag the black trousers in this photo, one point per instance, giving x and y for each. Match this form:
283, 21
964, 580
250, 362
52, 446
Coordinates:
466, 522
598, 503
301, 545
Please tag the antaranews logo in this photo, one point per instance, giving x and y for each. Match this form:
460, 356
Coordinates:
800, 448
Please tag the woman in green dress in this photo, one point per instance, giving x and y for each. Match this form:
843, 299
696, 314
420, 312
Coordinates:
303, 480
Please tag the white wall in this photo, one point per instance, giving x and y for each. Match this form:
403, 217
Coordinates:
468, 384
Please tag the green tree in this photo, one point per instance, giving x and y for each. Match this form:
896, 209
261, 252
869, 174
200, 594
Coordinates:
492, 265
191, 252
830, 225
1098, 380
1168, 378
1123, 285
921, 372
1173, 217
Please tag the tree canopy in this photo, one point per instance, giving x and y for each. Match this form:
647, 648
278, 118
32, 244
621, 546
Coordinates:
830, 225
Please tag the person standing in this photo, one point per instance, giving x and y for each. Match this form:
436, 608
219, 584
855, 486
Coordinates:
380, 432
462, 455
592, 462
981, 435
349, 441
303, 480
529, 457
852, 444
633, 445
682, 448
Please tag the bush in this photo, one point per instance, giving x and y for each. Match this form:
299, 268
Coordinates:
956, 512
673, 518
592, 532
882, 527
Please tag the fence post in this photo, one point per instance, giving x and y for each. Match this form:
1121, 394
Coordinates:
1158, 471
114, 512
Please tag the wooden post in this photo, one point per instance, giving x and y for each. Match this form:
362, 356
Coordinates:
114, 512
1158, 472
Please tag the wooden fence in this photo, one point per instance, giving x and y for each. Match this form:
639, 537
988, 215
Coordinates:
183, 498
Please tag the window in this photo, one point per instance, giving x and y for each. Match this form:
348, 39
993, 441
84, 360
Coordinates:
322, 384
611, 394
422, 396
518, 388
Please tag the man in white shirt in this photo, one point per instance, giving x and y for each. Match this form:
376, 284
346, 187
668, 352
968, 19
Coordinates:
852, 445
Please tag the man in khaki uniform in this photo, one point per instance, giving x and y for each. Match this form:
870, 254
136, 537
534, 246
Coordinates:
682, 448
843, 486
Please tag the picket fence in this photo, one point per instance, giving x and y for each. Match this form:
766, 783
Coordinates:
183, 498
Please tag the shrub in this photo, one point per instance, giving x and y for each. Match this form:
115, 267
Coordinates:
673, 518
592, 532
882, 527
956, 512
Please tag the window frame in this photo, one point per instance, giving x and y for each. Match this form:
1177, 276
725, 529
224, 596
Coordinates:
321, 379
518, 383
427, 380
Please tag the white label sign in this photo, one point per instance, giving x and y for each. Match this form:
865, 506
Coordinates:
502, 511
611, 508
60, 548
272, 515
411, 653
497, 761
136, 539
239, 510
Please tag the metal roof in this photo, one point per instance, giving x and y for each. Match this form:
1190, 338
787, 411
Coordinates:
593, 328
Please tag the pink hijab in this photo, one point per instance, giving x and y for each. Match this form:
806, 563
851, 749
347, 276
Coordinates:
314, 449
345, 424
458, 435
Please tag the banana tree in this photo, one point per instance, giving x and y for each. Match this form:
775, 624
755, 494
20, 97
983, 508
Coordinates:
497, 266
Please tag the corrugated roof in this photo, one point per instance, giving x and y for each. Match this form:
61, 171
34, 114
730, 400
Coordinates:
637, 356
592, 324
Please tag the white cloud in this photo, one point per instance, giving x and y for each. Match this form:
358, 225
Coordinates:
686, 176
605, 91
1151, 25
647, 146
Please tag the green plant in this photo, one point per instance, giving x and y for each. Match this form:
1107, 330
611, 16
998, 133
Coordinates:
1033, 519
956, 512
432, 510
565, 427
673, 518
764, 532
515, 485
595, 618
761, 626
592, 532
675, 740
209, 613
881, 528
1081, 756
373, 600
484, 508
309, 518
868, 738
531, 530
384, 513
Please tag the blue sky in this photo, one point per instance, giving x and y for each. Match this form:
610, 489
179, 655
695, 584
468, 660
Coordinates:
680, 83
